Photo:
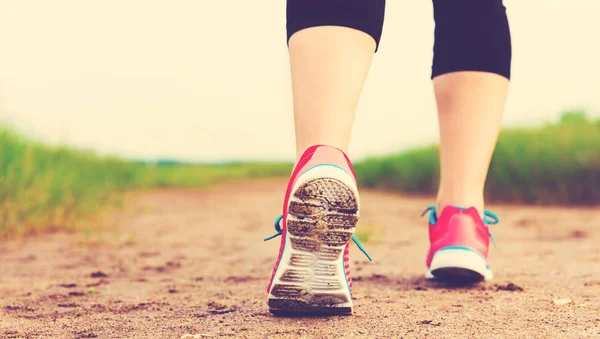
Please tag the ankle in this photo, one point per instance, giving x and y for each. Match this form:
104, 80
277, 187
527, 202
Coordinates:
302, 147
441, 203
300, 151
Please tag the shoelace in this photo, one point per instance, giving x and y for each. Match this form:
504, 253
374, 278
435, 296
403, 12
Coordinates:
280, 232
489, 218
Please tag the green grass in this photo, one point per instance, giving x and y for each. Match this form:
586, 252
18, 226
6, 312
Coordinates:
187, 175
369, 233
555, 164
45, 187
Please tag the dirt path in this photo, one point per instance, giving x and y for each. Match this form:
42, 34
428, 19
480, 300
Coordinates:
195, 266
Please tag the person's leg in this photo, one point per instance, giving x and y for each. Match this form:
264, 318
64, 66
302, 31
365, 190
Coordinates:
471, 75
470, 106
331, 44
471, 72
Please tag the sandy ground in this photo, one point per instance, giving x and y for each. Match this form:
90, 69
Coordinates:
194, 266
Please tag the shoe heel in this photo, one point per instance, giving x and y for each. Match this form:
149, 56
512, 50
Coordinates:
322, 215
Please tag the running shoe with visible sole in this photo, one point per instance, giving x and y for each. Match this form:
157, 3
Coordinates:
459, 241
320, 212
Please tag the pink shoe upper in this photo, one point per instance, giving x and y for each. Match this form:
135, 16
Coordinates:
313, 156
458, 228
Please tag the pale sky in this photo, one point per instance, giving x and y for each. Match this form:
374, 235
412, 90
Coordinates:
209, 80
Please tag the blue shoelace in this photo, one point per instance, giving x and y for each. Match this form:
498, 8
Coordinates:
489, 218
280, 232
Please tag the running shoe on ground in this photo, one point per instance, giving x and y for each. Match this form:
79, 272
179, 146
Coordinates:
459, 241
320, 212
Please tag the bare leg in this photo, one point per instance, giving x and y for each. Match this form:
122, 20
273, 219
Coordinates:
329, 66
470, 106
471, 68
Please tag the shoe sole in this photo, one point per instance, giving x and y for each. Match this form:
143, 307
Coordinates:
459, 266
322, 215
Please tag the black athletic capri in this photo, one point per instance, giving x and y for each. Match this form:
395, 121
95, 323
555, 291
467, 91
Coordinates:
470, 35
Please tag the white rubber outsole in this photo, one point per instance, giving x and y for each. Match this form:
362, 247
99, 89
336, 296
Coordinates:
459, 265
322, 215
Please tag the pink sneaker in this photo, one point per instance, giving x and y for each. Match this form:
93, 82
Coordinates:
320, 212
459, 244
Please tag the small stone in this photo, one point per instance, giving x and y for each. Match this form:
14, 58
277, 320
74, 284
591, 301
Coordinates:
99, 274
562, 301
